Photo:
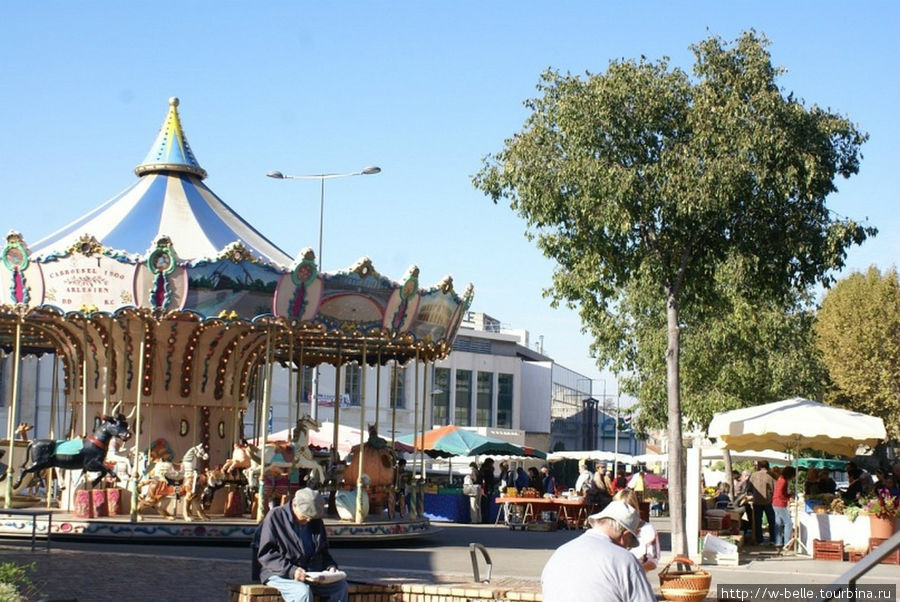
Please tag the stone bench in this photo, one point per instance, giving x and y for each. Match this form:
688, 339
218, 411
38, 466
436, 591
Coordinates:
410, 592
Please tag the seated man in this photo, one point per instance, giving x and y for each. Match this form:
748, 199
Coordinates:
292, 543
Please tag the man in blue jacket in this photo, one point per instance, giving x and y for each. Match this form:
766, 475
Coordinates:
293, 544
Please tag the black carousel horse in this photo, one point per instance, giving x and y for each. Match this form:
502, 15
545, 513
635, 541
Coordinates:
45, 453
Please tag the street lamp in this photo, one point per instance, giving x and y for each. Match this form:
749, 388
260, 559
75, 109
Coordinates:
366, 171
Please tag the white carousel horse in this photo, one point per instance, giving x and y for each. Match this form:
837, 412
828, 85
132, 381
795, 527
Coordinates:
287, 454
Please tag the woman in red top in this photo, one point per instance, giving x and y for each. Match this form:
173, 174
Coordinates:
780, 498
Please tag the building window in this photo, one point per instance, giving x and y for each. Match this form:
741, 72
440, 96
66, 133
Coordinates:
441, 397
352, 378
485, 396
463, 398
504, 400
398, 386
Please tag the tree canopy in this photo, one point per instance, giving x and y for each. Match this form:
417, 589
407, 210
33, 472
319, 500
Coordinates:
744, 351
858, 333
642, 181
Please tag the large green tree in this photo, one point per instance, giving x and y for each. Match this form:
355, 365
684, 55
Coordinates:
858, 333
644, 178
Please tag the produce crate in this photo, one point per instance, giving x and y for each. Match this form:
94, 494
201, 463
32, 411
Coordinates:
720, 558
892, 558
828, 549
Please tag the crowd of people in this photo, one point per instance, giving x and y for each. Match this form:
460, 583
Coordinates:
482, 484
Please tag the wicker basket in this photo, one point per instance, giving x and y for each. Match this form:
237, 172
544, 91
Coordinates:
684, 586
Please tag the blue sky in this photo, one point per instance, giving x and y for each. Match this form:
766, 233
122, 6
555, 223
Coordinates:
422, 89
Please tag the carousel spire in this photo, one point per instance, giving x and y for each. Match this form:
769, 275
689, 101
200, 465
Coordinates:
170, 150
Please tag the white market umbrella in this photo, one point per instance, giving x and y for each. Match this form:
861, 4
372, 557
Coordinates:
795, 424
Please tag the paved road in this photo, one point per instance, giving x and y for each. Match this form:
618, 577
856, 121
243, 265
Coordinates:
116, 572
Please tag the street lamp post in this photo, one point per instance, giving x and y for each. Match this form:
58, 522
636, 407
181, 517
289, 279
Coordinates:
366, 171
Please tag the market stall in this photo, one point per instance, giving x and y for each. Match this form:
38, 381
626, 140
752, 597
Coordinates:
793, 425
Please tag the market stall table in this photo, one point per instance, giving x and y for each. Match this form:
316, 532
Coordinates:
573, 512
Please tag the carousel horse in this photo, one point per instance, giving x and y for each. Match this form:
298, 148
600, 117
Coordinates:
164, 481
288, 454
79, 454
21, 433
378, 463
193, 480
240, 458
215, 480
345, 501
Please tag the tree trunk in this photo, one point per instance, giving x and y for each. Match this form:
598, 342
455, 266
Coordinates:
676, 456
729, 478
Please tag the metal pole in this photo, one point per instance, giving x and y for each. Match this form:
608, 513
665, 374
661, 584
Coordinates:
413, 511
109, 348
378, 367
12, 410
54, 416
335, 455
292, 419
84, 427
264, 431
314, 402
137, 427
360, 487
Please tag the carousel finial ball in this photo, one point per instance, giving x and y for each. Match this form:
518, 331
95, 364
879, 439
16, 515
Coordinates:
173, 101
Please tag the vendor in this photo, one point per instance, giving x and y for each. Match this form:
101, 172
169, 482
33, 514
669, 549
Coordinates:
813, 487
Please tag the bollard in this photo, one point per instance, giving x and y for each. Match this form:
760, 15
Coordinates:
487, 560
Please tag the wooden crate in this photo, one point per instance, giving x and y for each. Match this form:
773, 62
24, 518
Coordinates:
720, 558
892, 558
828, 549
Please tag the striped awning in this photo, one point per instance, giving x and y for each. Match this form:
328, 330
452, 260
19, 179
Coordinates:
169, 200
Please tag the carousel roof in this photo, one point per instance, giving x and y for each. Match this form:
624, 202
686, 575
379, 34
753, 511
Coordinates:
169, 200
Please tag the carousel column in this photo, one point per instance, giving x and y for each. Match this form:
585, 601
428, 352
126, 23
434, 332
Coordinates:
424, 414
360, 486
54, 402
416, 480
378, 393
137, 427
401, 490
335, 456
84, 379
13, 407
301, 381
264, 431
108, 350
292, 418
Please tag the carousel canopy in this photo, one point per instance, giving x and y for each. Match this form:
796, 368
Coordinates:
168, 267
169, 200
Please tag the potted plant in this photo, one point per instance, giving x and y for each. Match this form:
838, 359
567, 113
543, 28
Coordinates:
882, 511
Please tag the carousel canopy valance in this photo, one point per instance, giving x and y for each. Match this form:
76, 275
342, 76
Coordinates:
168, 267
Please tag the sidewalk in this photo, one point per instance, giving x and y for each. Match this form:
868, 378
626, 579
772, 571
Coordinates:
64, 574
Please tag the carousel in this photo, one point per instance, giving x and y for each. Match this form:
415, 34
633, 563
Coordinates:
169, 321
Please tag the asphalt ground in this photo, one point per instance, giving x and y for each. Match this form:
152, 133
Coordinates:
170, 572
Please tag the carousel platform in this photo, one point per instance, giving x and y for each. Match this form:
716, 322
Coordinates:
65, 525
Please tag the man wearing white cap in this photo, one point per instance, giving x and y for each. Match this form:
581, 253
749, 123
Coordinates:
293, 552
597, 566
